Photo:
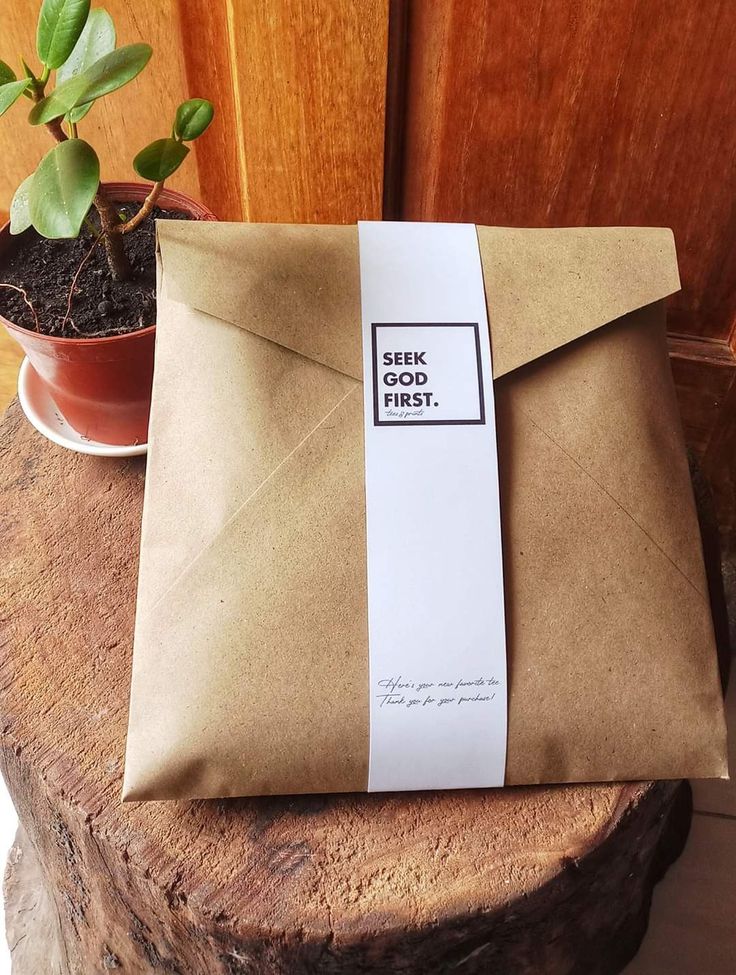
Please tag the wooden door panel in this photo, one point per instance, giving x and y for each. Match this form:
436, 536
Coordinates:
310, 85
578, 112
204, 31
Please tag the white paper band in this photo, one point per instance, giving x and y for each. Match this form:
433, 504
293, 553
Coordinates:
435, 581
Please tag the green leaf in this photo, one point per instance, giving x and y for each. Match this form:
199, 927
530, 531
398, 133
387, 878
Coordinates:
59, 102
77, 114
107, 74
11, 92
96, 40
192, 118
6, 73
59, 25
160, 159
63, 188
20, 210
114, 70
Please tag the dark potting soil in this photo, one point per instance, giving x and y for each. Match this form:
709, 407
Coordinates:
100, 306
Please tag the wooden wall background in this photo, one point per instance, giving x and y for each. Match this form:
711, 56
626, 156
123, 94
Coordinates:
518, 112
579, 112
299, 88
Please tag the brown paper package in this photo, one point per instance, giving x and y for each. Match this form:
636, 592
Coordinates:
250, 670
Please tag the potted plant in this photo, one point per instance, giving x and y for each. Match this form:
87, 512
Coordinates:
77, 279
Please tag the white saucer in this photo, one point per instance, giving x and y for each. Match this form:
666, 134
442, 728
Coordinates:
43, 414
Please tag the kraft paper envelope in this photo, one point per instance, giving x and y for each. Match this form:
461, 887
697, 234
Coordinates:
250, 671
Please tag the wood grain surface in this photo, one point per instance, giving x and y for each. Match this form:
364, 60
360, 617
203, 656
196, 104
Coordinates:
418, 883
692, 930
310, 88
211, 67
10, 360
584, 112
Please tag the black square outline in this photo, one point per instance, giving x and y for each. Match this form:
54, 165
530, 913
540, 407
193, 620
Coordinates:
426, 423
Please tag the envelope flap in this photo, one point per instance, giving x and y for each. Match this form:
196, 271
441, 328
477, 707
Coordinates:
299, 285
546, 288
295, 284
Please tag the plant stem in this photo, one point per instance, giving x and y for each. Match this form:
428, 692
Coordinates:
56, 130
148, 205
112, 231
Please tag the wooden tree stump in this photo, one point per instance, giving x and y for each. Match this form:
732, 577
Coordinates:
536, 880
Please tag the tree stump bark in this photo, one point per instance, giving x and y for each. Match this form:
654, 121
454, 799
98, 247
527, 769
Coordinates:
536, 880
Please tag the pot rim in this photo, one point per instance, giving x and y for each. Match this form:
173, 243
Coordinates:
119, 191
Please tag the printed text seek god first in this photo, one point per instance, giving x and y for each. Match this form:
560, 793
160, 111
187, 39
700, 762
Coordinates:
406, 378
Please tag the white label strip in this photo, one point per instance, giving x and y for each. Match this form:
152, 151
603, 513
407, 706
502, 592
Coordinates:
435, 577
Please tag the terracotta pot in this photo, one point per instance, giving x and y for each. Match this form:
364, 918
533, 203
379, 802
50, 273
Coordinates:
102, 386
